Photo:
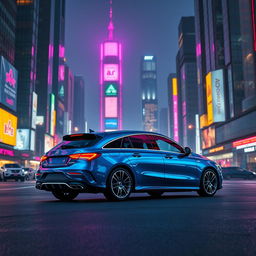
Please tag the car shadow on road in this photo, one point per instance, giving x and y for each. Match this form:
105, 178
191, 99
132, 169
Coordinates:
131, 199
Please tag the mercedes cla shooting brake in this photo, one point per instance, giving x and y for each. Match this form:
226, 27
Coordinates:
120, 162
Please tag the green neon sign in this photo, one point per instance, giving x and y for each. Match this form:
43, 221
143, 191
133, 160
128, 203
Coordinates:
111, 90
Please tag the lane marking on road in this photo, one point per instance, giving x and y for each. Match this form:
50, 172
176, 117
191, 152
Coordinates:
4, 189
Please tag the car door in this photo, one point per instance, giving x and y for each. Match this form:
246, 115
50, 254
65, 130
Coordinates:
146, 162
180, 170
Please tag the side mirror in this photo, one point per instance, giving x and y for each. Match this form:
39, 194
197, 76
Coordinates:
187, 151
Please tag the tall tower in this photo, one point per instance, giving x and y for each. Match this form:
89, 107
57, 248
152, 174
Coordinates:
149, 93
110, 81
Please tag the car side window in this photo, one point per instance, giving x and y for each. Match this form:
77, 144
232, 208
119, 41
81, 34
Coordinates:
168, 145
114, 144
141, 141
126, 143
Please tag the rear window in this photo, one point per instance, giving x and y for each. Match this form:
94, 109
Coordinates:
78, 141
12, 166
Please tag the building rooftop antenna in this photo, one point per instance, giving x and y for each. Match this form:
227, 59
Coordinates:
111, 24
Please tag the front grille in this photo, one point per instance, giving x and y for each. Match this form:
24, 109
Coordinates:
15, 171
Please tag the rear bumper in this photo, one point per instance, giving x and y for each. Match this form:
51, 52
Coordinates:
50, 181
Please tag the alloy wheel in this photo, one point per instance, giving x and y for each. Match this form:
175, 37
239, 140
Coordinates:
121, 184
210, 182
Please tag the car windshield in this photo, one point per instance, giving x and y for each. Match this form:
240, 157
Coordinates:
12, 166
83, 141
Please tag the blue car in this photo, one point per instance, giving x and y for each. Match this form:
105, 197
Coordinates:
120, 162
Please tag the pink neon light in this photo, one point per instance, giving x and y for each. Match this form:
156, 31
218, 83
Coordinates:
25, 155
61, 51
49, 75
101, 51
111, 72
10, 101
31, 75
120, 123
33, 50
198, 49
111, 107
6, 152
253, 24
110, 49
101, 87
50, 53
10, 78
61, 73
175, 118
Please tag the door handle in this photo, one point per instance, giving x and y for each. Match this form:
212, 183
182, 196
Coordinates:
168, 156
136, 155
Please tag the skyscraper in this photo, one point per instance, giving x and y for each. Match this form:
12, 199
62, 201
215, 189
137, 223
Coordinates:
111, 81
226, 79
8, 82
187, 82
149, 93
8, 11
50, 74
79, 105
25, 62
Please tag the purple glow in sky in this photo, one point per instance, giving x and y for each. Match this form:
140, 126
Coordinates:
144, 27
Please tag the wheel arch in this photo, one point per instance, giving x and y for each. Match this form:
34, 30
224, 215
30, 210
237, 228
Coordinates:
213, 169
125, 166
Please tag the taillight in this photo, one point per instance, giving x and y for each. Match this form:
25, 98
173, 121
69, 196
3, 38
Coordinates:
85, 156
43, 158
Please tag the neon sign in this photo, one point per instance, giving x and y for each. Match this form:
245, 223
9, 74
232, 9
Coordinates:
111, 123
111, 107
244, 143
110, 49
111, 90
111, 72
10, 78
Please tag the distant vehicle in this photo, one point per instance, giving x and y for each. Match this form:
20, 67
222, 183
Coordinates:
29, 173
120, 162
237, 172
12, 171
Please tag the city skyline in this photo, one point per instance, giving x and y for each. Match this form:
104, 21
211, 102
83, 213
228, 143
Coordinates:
83, 54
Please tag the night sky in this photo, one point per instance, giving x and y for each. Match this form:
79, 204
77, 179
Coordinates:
145, 27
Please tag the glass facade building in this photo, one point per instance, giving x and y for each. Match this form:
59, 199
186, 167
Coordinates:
187, 82
149, 93
225, 49
79, 105
8, 10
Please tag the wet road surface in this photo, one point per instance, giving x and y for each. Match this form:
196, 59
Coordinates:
33, 222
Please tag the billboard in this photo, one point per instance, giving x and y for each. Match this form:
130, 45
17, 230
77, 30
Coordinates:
111, 123
208, 137
111, 72
34, 110
22, 140
48, 142
25, 139
8, 84
215, 96
111, 90
110, 49
8, 128
111, 107
175, 109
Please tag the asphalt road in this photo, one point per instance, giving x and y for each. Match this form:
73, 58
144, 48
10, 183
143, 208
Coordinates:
32, 222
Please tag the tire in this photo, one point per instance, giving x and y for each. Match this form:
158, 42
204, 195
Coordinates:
65, 196
119, 185
209, 183
155, 194
22, 179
